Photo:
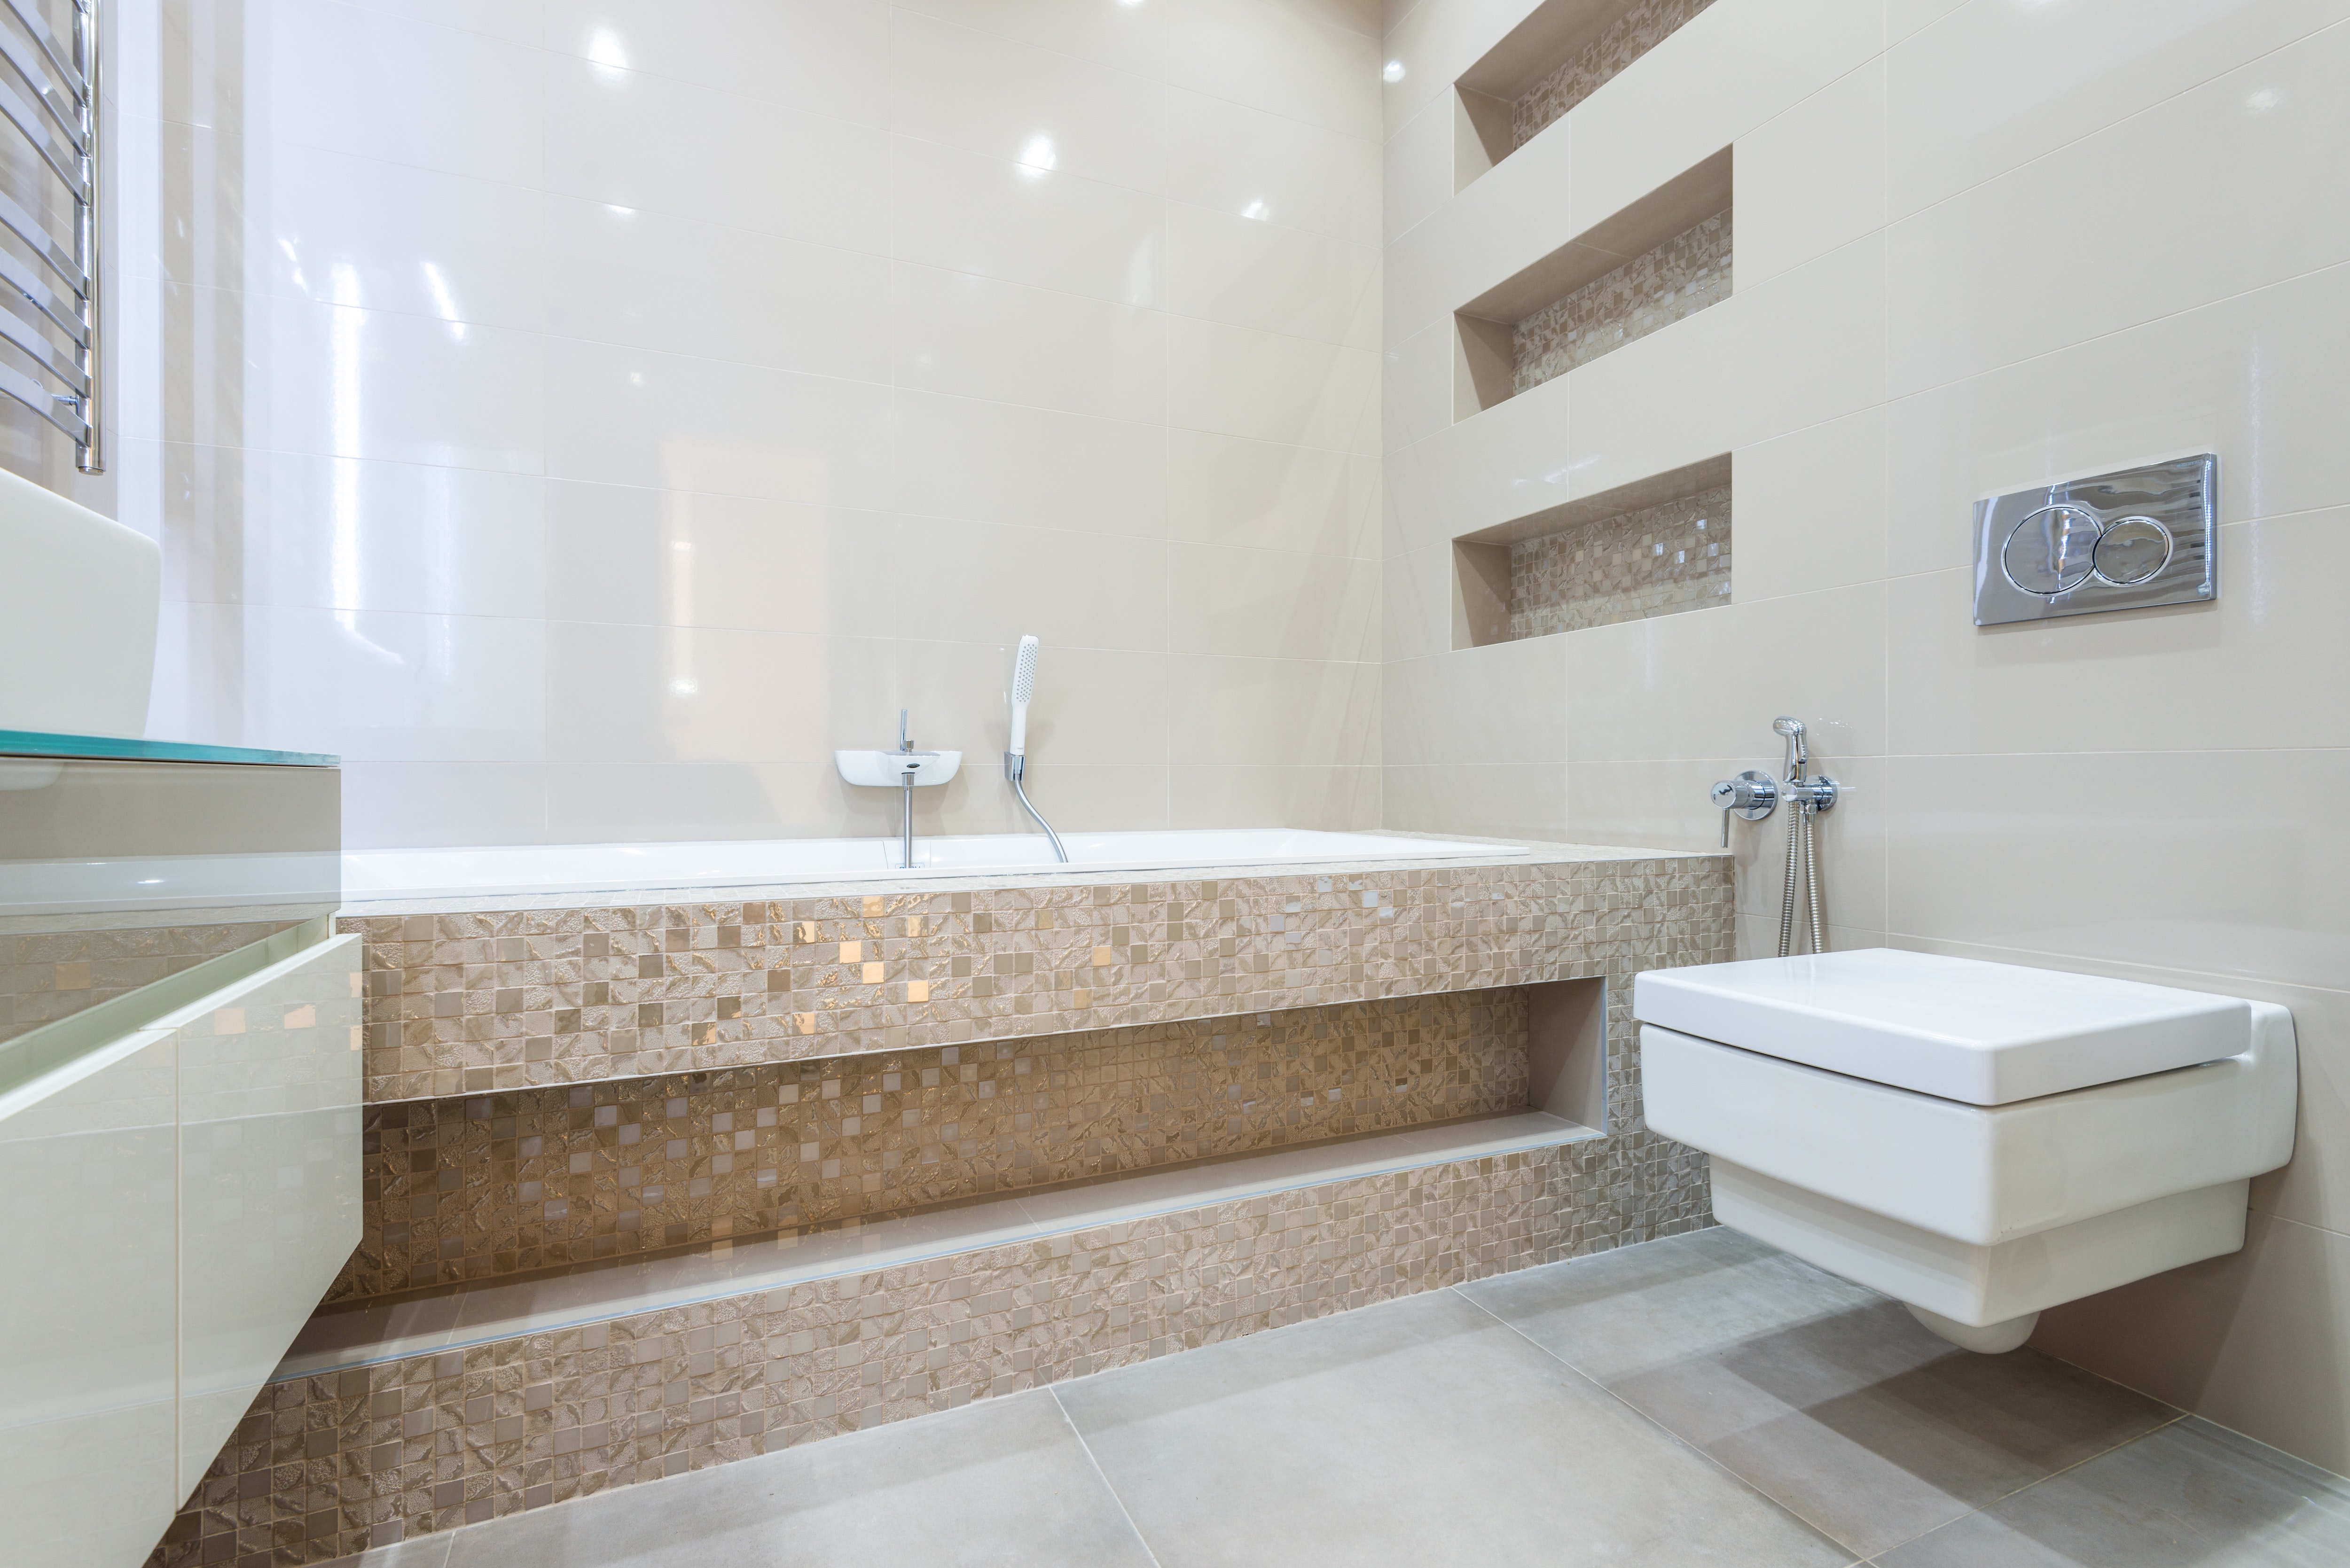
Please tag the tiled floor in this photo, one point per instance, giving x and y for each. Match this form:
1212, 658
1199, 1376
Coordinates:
1704, 1400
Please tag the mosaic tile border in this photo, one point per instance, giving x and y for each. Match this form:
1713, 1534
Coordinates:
481, 1002
323, 1466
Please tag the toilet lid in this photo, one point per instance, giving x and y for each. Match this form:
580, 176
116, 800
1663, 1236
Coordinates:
1985, 1033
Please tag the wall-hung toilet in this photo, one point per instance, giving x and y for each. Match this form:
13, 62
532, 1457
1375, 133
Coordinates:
1978, 1140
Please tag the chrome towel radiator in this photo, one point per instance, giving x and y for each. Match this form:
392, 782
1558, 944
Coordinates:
56, 293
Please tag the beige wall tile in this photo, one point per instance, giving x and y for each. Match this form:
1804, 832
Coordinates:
2051, 854
1504, 703
1290, 712
1980, 89
1334, 798
2249, 378
1485, 800
2224, 677
2255, 142
1272, 604
1813, 178
1229, 490
2257, 1340
990, 95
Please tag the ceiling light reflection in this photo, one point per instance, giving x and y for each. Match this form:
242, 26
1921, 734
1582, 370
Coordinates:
1038, 156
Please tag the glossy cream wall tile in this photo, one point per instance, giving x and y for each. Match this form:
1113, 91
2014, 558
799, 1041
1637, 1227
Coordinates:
2250, 376
587, 456
829, 57
1987, 88
2252, 145
1813, 178
1268, 386
1231, 158
1229, 490
2140, 794
988, 94
1302, 59
2229, 677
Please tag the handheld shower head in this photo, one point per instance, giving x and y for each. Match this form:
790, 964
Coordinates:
1799, 754
1024, 688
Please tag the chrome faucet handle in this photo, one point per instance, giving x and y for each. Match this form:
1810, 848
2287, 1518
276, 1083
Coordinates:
904, 743
1819, 791
1754, 795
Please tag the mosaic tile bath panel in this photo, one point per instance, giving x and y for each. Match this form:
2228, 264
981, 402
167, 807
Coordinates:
327, 1465
472, 1188
1654, 561
1648, 23
487, 1001
1650, 291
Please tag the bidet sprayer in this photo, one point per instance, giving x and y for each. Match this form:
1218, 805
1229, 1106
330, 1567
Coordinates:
1016, 753
1024, 688
1799, 754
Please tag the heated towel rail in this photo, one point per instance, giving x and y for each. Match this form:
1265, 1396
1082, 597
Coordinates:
55, 293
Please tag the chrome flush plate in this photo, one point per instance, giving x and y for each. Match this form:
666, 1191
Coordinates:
2140, 538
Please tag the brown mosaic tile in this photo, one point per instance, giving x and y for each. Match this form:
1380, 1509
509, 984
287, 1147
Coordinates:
323, 1466
1648, 23
1653, 561
469, 1189
49, 974
482, 1001
1650, 291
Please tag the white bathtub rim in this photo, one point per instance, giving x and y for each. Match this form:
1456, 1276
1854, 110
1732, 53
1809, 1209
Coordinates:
1471, 852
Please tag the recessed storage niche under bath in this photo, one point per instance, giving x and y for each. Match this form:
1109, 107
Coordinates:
1662, 259
1558, 57
1656, 547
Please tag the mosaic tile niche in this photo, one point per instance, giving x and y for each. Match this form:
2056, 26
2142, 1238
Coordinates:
1674, 280
1639, 29
1657, 560
472, 1188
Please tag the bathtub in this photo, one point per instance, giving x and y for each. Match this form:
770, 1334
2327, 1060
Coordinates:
376, 875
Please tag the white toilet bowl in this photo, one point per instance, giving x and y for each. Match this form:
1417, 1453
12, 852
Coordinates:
1980, 1141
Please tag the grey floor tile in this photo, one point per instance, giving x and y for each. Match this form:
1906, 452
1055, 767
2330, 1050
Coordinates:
1827, 1396
1421, 1432
1000, 1481
2190, 1494
425, 1552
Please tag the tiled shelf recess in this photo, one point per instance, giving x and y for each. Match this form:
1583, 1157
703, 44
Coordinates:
1656, 547
462, 1190
1660, 260
455, 1319
1564, 51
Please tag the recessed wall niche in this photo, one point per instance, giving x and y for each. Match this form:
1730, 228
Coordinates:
1663, 258
1561, 54
1657, 546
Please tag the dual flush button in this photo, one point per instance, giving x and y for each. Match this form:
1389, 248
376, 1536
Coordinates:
2142, 537
2057, 548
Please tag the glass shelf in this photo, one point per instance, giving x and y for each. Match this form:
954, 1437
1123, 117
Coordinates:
118, 748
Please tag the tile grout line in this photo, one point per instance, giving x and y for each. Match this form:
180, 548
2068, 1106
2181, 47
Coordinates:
2176, 1416
1077, 1432
1678, 1441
